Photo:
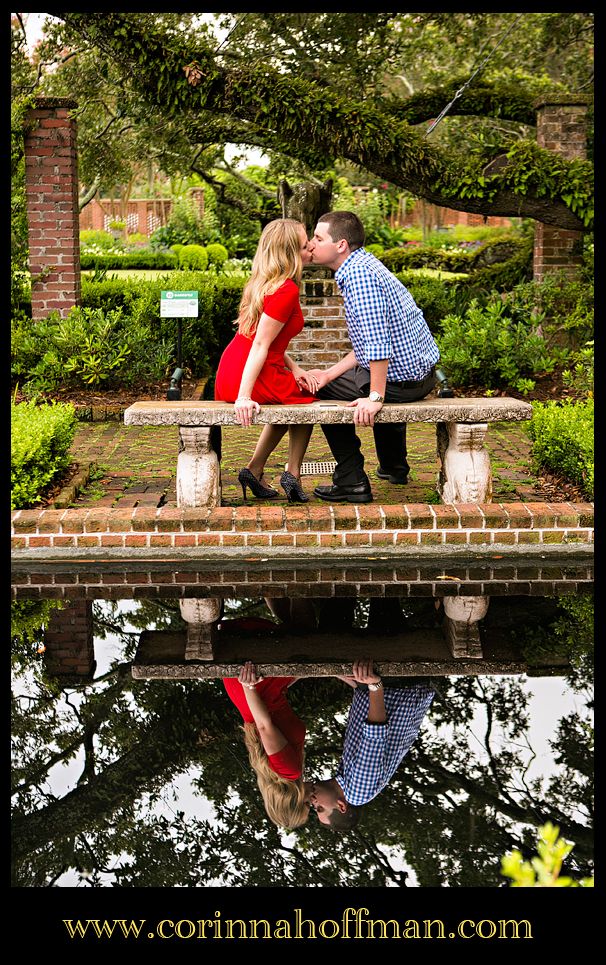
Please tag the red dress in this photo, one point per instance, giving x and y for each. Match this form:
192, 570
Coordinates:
289, 761
275, 383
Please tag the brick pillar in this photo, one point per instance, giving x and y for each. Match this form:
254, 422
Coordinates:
561, 127
69, 643
51, 177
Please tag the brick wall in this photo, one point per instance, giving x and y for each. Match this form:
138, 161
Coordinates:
69, 643
561, 127
51, 178
324, 339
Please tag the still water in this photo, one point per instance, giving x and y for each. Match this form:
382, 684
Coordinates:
129, 762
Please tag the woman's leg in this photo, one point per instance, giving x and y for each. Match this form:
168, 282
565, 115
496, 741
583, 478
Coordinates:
298, 441
266, 443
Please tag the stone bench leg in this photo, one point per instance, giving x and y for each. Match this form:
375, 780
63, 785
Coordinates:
465, 475
198, 469
461, 616
201, 615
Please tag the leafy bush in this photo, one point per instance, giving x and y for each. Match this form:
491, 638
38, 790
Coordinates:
562, 440
217, 254
193, 257
135, 259
376, 250
184, 226
485, 346
435, 298
543, 870
580, 376
41, 437
90, 238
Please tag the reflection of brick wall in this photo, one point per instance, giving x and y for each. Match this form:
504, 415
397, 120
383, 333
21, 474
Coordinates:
561, 127
68, 639
51, 182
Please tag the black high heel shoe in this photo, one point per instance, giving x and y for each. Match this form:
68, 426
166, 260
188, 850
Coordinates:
247, 479
292, 488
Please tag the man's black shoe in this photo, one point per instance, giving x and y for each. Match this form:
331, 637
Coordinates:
398, 479
360, 493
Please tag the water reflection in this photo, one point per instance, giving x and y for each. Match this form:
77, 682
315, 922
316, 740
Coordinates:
130, 766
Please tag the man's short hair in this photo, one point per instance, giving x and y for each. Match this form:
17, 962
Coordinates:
344, 820
345, 224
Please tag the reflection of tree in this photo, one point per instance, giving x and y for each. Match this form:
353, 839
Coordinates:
453, 808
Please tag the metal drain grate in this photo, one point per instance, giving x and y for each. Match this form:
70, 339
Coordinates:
318, 468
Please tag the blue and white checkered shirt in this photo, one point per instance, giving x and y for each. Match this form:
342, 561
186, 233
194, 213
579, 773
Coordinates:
372, 752
383, 319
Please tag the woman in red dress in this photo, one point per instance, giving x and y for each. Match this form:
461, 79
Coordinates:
274, 737
255, 368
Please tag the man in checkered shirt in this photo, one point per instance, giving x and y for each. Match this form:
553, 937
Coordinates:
393, 357
382, 727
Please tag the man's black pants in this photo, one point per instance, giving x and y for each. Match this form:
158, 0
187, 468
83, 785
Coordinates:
390, 437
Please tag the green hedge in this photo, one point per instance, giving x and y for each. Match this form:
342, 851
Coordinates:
562, 440
136, 259
40, 442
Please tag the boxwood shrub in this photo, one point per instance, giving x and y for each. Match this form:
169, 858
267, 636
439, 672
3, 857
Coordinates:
562, 440
41, 437
136, 259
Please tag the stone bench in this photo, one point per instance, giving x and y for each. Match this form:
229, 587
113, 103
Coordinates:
461, 424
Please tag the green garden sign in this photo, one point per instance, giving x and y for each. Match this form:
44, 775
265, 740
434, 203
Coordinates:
178, 304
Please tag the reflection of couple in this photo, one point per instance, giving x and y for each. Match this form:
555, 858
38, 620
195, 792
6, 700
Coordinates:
392, 359
382, 726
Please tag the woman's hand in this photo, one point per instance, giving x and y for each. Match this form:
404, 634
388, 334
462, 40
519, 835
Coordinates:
244, 409
315, 377
248, 676
306, 380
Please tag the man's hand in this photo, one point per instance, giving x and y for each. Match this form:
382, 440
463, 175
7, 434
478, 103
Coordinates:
363, 672
305, 380
365, 411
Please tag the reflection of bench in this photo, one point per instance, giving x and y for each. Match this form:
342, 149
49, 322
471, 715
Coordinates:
461, 425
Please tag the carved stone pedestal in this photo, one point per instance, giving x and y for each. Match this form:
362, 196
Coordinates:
461, 625
465, 475
198, 469
201, 615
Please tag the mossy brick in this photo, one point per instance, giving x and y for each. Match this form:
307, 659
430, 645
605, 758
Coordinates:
233, 539
18, 542
87, 541
331, 539
529, 536
585, 513
472, 516
506, 536
371, 517
282, 539
420, 516
296, 520
73, 521
400, 539
480, 537
452, 536
447, 516
245, 518
220, 519
26, 523
96, 521
519, 517
113, 540
397, 517
306, 539
257, 539
566, 588
541, 515
320, 518
432, 538
345, 517
39, 541
185, 539
495, 516
160, 539
208, 539
383, 539
575, 536
168, 520
357, 539
194, 520
552, 536
271, 518
120, 521
50, 521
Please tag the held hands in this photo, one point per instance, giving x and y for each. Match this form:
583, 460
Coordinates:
244, 409
317, 376
365, 411
305, 380
363, 673
248, 676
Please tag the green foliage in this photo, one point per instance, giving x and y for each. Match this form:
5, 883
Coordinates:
580, 376
562, 436
567, 304
184, 226
98, 239
217, 254
376, 250
486, 346
41, 437
193, 257
435, 298
139, 259
542, 871
571, 634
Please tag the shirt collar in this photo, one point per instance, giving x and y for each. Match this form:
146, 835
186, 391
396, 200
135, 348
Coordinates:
342, 270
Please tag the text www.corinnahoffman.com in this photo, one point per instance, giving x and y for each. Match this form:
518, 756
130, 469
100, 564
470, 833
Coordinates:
353, 923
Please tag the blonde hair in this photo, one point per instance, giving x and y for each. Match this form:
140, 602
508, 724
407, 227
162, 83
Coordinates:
277, 258
283, 798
